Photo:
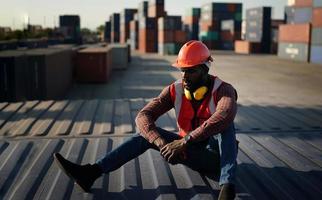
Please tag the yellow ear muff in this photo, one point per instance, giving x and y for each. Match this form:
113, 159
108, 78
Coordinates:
187, 94
200, 93
197, 95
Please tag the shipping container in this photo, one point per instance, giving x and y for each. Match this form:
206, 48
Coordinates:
315, 54
169, 48
294, 51
125, 17
115, 27
295, 33
300, 3
317, 3
258, 13
294, 15
156, 8
120, 56
107, 32
316, 36
246, 47
13, 76
317, 17
49, 73
69, 26
143, 9
8, 45
134, 34
148, 35
94, 64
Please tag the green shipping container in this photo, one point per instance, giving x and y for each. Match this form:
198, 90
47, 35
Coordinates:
209, 35
238, 16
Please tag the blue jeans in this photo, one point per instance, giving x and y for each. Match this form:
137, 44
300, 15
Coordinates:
216, 155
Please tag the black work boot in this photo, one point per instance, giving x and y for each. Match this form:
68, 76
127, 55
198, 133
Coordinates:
83, 175
227, 192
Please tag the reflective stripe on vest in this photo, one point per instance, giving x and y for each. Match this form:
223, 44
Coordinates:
179, 93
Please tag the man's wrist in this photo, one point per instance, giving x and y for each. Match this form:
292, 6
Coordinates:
187, 139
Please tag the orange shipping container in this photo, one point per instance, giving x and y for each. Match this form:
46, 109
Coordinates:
302, 3
294, 33
317, 17
246, 47
93, 64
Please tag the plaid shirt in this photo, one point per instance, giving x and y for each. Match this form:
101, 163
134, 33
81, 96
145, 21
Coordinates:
226, 110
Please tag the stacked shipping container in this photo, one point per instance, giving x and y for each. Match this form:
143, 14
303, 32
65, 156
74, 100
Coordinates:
134, 33
210, 21
230, 32
115, 27
274, 34
191, 23
125, 17
170, 35
156, 8
107, 32
70, 27
295, 37
316, 42
258, 27
148, 26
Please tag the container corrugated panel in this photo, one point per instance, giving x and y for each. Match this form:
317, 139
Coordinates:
302, 15
93, 64
254, 36
317, 3
294, 51
317, 17
13, 76
316, 38
49, 73
209, 35
295, 33
119, 56
315, 54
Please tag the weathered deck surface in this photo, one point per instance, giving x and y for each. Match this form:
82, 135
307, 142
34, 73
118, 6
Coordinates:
279, 126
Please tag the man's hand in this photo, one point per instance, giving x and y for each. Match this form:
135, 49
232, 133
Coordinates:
174, 151
159, 142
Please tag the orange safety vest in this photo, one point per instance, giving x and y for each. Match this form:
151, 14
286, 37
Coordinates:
184, 110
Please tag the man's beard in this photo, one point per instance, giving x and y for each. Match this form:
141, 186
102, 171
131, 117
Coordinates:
193, 86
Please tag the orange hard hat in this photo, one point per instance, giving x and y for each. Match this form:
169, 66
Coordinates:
193, 53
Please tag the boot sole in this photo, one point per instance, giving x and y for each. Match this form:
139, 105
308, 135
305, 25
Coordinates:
58, 158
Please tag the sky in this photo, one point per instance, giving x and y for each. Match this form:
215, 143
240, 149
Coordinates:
15, 13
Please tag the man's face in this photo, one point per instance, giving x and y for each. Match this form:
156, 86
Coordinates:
192, 77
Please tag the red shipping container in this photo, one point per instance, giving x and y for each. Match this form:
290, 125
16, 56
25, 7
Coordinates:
294, 33
180, 36
246, 47
317, 17
166, 36
93, 64
231, 7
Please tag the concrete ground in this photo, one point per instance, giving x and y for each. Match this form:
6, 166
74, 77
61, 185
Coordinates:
259, 79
